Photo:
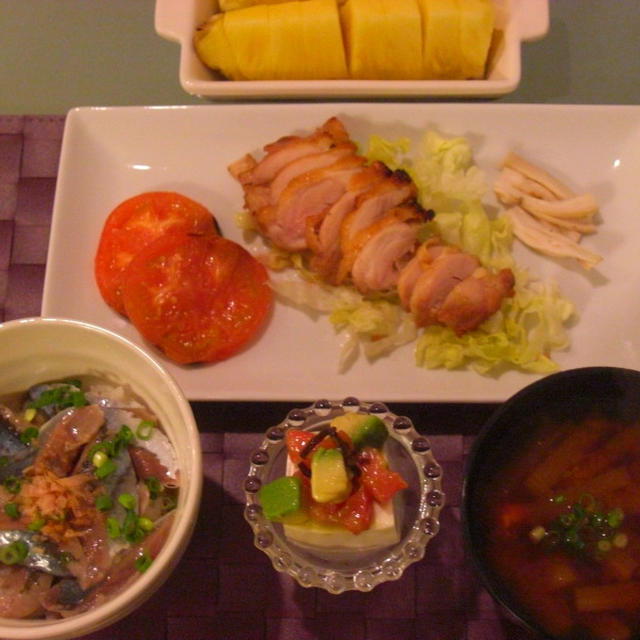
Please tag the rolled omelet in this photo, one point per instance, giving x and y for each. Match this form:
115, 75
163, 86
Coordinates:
382, 38
360, 39
284, 41
456, 36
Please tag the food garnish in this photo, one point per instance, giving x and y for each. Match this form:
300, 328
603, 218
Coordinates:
544, 213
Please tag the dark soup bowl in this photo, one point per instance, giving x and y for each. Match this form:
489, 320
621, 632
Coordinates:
551, 505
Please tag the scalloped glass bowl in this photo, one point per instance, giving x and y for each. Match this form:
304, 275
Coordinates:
417, 509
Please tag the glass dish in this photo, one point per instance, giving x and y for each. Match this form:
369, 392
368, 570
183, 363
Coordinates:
336, 571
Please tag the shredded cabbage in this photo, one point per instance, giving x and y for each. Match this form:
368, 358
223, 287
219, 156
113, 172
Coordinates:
523, 334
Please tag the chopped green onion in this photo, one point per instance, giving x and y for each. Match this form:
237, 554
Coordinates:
11, 509
145, 429
122, 438
60, 397
77, 398
99, 458
131, 530
29, 414
615, 518
153, 485
103, 502
127, 500
28, 435
113, 528
585, 528
142, 562
146, 524
537, 533
13, 552
100, 447
36, 524
106, 468
12, 484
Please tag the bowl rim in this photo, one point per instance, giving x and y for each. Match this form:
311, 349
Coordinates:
129, 599
469, 474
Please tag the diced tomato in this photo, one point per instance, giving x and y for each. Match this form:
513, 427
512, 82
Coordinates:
324, 513
134, 224
199, 298
377, 477
297, 439
357, 510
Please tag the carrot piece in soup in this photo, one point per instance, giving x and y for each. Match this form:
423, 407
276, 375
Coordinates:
601, 486
607, 597
620, 444
557, 572
628, 499
607, 627
620, 564
573, 447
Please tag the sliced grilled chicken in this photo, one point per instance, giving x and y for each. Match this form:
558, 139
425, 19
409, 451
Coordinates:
437, 280
380, 261
409, 275
372, 205
407, 212
323, 229
360, 222
284, 223
286, 150
257, 196
475, 299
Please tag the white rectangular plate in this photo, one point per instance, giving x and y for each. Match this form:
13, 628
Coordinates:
110, 154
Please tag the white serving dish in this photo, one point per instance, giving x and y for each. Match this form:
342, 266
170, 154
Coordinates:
517, 21
109, 154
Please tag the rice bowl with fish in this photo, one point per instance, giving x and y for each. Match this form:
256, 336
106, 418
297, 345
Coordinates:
100, 477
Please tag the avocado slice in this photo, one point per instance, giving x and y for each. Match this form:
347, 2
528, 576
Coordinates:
329, 478
364, 430
281, 500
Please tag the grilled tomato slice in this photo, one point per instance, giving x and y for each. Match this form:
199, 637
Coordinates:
198, 297
135, 223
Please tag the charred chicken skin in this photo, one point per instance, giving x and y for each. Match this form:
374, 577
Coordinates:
358, 223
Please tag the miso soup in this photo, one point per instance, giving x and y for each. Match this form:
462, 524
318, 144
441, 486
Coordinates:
562, 524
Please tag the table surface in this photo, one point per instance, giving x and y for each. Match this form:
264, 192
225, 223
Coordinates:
224, 588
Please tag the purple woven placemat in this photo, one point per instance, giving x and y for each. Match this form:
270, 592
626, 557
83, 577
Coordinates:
224, 588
